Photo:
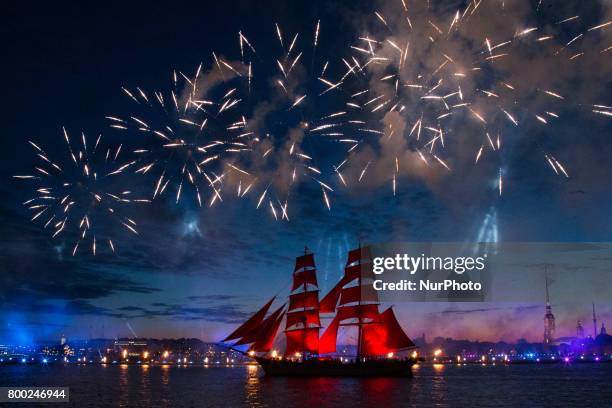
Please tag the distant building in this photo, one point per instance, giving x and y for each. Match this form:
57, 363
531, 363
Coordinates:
579, 330
62, 340
594, 322
68, 351
603, 330
549, 319
131, 348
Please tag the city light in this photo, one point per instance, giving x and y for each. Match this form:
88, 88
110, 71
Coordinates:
438, 352
124, 353
274, 353
252, 353
390, 355
166, 354
145, 355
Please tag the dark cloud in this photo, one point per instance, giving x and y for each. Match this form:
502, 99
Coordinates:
223, 313
212, 297
458, 311
32, 269
70, 308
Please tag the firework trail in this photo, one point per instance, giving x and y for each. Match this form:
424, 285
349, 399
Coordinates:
422, 85
193, 133
75, 198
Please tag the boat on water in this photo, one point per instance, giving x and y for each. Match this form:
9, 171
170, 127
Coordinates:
352, 304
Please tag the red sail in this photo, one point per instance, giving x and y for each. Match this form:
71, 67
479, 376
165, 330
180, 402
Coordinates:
305, 277
363, 293
304, 299
263, 330
304, 261
329, 302
384, 337
357, 271
302, 340
374, 339
305, 318
396, 337
327, 343
303, 323
267, 341
250, 325
359, 312
358, 254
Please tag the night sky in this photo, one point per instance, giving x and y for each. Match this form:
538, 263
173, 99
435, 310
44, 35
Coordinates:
195, 272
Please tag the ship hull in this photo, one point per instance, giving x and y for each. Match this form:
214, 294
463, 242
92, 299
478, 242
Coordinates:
335, 368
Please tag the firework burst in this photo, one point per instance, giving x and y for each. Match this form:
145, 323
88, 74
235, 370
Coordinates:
423, 82
75, 197
193, 134
294, 120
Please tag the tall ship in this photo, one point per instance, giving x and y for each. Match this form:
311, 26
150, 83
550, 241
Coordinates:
352, 305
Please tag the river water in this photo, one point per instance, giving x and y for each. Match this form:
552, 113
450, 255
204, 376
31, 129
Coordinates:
579, 385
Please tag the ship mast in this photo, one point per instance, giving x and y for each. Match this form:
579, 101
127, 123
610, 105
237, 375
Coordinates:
358, 301
304, 288
355, 303
360, 322
303, 321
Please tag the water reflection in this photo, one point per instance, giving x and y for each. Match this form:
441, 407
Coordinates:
252, 386
382, 392
165, 385
449, 385
124, 385
438, 368
144, 394
438, 387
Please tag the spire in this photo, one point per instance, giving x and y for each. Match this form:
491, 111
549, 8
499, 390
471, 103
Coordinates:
594, 322
549, 318
579, 330
547, 295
